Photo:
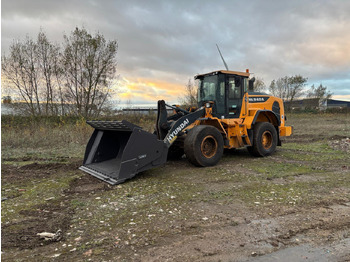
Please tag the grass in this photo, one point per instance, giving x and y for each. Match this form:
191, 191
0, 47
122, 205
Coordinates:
320, 126
166, 201
28, 195
50, 139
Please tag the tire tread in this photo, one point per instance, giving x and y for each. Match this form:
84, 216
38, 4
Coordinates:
192, 152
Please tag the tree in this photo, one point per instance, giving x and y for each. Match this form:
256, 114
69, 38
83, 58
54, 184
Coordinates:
89, 68
50, 81
33, 68
7, 99
279, 87
296, 86
21, 69
319, 92
259, 85
48, 56
189, 99
288, 88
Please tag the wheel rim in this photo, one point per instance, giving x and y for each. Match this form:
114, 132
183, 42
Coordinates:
266, 140
209, 146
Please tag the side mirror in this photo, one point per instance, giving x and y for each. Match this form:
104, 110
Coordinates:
251, 85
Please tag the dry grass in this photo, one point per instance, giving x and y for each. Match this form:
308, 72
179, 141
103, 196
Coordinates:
52, 138
175, 202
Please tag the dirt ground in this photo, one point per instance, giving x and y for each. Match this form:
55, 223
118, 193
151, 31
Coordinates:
292, 206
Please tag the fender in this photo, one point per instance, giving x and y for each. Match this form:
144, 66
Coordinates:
271, 116
273, 119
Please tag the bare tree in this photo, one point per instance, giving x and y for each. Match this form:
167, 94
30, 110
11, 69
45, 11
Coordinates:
296, 86
279, 87
89, 67
259, 84
31, 69
48, 81
58, 73
48, 56
319, 92
288, 88
20, 68
189, 99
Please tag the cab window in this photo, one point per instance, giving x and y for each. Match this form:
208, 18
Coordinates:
234, 88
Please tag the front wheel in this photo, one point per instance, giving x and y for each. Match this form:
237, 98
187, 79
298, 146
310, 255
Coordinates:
264, 139
204, 146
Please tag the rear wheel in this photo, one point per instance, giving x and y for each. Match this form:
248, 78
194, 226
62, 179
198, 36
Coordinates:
204, 146
264, 139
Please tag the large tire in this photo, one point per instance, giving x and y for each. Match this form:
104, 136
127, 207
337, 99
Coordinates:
264, 140
204, 146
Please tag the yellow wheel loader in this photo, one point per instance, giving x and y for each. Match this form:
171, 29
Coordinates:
229, 115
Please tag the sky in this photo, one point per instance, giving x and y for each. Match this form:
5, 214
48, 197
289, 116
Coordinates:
163, 44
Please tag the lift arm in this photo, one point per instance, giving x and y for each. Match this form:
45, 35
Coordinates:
168, 130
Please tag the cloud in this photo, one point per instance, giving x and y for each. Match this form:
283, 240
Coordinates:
168, 42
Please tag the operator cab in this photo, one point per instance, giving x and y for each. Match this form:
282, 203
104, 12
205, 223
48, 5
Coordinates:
226, 89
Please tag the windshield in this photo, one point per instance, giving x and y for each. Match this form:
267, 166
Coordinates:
212, 88
207, 88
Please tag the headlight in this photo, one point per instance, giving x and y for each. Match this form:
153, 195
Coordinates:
207, 105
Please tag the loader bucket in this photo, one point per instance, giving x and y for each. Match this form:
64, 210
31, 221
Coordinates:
118, 150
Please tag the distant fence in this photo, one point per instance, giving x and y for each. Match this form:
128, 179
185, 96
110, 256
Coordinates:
6, 109
10, 109
143, 111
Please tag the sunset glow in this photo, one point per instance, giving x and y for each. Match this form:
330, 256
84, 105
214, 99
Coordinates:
149, 91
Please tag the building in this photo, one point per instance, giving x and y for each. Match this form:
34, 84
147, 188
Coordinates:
316, 103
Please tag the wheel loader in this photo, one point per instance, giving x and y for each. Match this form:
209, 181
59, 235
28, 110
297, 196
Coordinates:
229, 115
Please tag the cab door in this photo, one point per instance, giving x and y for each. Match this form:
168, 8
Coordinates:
234, 94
